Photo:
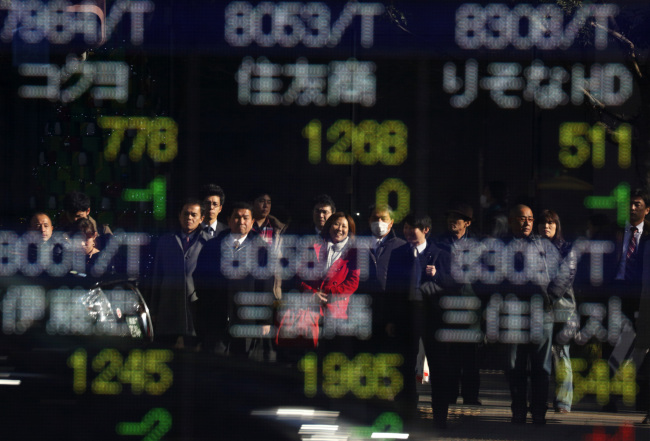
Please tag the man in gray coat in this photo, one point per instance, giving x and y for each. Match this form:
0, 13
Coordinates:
173, 293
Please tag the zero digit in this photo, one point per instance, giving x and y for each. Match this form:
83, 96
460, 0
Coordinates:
394, 185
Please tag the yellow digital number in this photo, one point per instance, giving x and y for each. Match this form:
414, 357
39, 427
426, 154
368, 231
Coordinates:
364, 379
393, 147
78, 362
365, 140
163, 131
341, 135
397, 186
335, 375
369, 142
312, 132
157, 136
574, 147
578, 142
390, 380
133, 372
155, 366
108, 363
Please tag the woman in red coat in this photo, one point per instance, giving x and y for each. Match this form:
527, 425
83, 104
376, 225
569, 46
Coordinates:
330, 294
339, 260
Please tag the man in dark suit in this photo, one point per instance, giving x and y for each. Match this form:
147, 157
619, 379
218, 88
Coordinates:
383, 242
418, 275
173, 293
630, 244
459, 219
227, 266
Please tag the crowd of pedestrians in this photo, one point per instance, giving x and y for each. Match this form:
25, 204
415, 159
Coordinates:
208, 278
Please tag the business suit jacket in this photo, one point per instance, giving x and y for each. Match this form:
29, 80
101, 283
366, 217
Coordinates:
401, 288
216, 286
220, 227
172, 286
378, 270
637, 258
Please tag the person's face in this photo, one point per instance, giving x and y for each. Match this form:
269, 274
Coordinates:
321, 214
547, 229
190, 218
521, 224
214, 207
241, 221
457, 224
381, 216
415, 236
42, 223
88, 243
638, 210
73, 217
262, 206
339, 230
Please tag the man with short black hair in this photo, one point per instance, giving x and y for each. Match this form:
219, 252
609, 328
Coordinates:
418, 276
218, 281
465, 354
76, 205
214, 198
173, 293
324, 207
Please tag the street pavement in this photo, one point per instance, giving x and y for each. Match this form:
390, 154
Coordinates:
491, 420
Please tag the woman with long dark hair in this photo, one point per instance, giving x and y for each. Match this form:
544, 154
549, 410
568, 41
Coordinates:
549, 227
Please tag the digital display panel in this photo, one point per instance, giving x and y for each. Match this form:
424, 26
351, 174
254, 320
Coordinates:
404, 107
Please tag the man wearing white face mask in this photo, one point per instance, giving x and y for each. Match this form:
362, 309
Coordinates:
381, 225
384, 242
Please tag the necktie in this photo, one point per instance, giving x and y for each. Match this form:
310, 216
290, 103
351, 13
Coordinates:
236, 244
417, 270
186, 243
631, 248
210, 231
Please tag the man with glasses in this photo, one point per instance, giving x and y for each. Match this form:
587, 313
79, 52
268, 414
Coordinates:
213, 198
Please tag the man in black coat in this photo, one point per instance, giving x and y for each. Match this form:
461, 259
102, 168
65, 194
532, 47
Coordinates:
465, 355
230, 269
173, 293
418, 275
630, 244
382, 243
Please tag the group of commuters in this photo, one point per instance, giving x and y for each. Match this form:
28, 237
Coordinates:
201, 288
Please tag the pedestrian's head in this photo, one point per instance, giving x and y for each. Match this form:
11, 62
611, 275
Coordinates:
459, 218
549, 226
323, 209
416, 228
76, 205
521, 221
84, 228
338, 227
381, 220
639, 205
42, 223
261, 205
191, 215
241, 218
213, 198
